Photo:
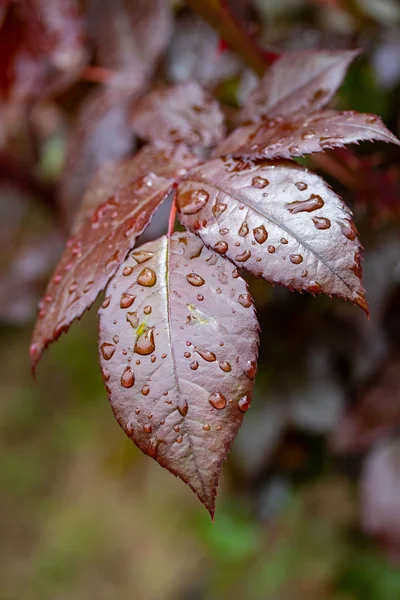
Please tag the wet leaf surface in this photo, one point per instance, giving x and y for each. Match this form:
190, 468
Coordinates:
304, 134
163, 160
182, 113
302, 81
99, 134
93, 255
278, 221
178, 348
129, 35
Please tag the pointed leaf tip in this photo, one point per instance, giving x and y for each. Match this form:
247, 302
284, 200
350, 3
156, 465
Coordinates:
178, 343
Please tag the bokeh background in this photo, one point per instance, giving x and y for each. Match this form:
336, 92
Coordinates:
309, 502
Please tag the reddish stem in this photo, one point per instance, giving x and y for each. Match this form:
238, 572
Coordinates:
97, 74
172, 216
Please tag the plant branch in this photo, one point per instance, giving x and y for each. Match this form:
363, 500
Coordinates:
220, 17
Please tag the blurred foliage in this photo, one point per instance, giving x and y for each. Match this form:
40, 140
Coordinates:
83, 514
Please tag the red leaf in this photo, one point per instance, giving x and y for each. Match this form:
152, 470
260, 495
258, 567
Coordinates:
178, 348
41, 48
298, 82
304, 134
93, 255
100, 134
278, 221
164, 160
182, 113
129, 35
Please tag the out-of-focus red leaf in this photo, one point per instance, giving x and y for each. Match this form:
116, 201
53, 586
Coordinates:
304, 134
181, 113
298, 82
101, 133
164, 160
129, 35
41, 48
93, 255
380, 492
194, 54
277, 220
376, 413
178, 349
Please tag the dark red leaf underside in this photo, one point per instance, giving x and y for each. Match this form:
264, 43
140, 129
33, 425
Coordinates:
182, 113
163, 160
129, 35
100, 134
93, 255
304, 134
278, 221
178, 350
298, 82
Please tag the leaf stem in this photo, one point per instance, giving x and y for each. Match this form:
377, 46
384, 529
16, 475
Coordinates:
172, 216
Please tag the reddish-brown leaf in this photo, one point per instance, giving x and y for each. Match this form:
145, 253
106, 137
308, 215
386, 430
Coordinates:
277, 220
164, 160
129, 35
41, 47
304, 134
178, 349
376, 414
93, 255
181, 113
298, 82
101, 133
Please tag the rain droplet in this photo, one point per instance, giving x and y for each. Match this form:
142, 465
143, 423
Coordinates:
142, 256
195, 279
244, 229
200, 297
194, 365
271, 249
235, 274
72, 288
116, 339
296, 259
251, 369
221, 247
259, 182
126, 300
187, 354
314, 288
321, 222
218, 209
225, 366
146, 277
217, 400
243, 256
183, 408
179, 439
245, 300
349, 230
127, 378
145, 343
372, 119
313, 203
260, 234
147, 310
218, 428
127, 271
294, 150
193, 201
206, 427
88, 286
145, 390
206, 355
105, 373
284, 241
106, 302
301, 186
244, 404
147, 428
133, 319
308, 135
107, 350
